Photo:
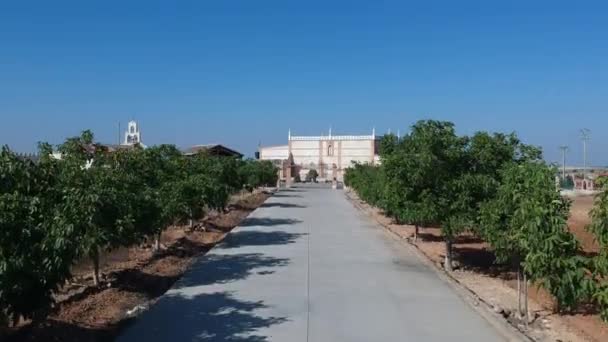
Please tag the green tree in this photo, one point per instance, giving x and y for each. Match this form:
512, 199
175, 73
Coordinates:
256, 173
312, 175
526, 225
161, 165
35, 239
599, 228
94, 199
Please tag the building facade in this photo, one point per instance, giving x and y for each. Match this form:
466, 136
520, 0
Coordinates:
330, 155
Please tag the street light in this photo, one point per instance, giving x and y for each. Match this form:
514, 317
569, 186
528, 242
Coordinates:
564, 149
585, 136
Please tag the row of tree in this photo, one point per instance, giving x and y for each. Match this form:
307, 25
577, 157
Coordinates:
55, 212
493, 186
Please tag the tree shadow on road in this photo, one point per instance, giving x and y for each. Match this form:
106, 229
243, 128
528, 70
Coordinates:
221, 269
267, 221
280, 194
281, 205
205, 317
257, 238
292, 189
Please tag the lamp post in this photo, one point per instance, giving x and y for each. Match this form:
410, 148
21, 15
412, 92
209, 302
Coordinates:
564, 149
585, 135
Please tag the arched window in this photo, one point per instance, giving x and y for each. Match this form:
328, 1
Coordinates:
132, 129
330, 150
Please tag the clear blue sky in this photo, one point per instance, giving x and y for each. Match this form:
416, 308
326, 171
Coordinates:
240, 72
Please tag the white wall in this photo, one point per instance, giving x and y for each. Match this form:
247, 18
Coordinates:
274, 152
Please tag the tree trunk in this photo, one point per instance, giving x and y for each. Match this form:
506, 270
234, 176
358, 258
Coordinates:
526, 315
519, 309
448, 255
95, 259
416, 232
157, 242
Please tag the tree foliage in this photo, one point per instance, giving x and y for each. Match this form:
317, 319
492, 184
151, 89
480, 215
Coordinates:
496, 187
56, 212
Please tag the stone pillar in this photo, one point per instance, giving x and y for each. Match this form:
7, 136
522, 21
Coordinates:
289, 170
339, 175
334, 175
321, 169
373, 150
288, 174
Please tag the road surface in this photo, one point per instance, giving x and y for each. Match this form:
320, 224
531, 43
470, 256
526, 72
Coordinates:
308, 266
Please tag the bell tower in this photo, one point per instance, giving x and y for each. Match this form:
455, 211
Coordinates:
132, 135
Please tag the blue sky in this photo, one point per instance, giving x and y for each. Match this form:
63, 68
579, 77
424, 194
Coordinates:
241, 72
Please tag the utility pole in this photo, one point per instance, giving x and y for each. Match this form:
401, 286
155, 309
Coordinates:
585, 135
564, 149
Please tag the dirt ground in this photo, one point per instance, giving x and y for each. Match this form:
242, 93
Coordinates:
497, 285
133, 278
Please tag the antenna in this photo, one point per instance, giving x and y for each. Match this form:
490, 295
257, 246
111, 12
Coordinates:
119, 132
585, 136
289, 134
398, 133
564, 149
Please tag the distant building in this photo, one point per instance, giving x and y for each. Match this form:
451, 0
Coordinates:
133, 134
330, 155
584, 184
213, 150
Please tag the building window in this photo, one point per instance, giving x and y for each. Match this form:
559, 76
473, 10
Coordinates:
330, 150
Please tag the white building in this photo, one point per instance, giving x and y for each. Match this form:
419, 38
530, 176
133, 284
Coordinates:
132, 135
328, 154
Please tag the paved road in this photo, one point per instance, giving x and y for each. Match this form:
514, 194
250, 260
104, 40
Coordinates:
307, 266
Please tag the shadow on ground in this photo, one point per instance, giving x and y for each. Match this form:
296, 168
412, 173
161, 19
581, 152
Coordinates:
54, 330
267, 221
281, 205
211, 317
281, 194
220, 269
483, 261
257, 238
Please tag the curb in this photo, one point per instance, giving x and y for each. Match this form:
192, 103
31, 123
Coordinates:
478, 304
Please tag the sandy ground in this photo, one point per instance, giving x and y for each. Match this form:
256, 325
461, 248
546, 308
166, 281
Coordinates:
132, 278
497, 285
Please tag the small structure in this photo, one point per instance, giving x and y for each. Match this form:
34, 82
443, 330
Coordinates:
584, 184
133, 135
213, 150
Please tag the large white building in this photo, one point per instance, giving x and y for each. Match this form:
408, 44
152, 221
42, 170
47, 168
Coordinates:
328, 154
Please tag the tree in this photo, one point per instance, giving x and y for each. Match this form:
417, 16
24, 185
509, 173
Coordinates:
599, 228
255, 173
312, 175
94, 199
566, 183
35, 240
526, 225
161, 166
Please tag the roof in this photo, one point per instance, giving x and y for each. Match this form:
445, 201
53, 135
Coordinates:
213, 149
333, 137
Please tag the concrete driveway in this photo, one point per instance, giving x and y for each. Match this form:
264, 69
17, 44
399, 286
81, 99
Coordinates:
308, 266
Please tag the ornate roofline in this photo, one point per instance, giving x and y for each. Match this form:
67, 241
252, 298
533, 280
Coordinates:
332, 137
